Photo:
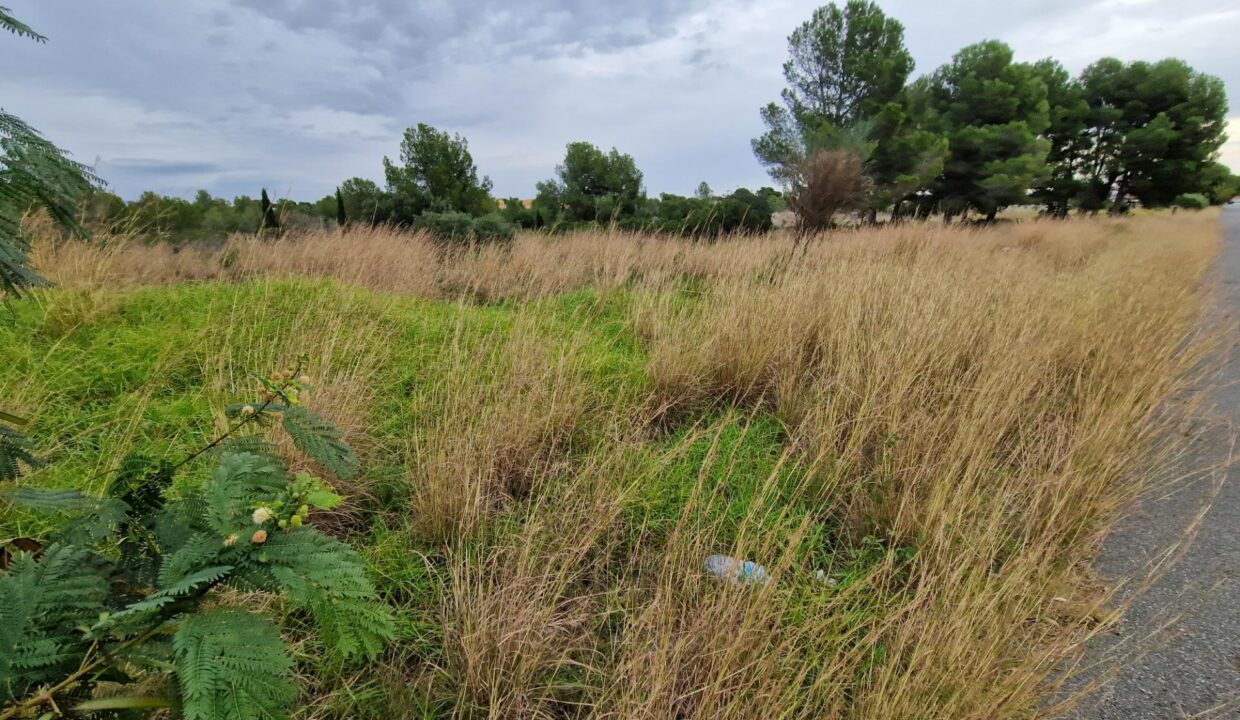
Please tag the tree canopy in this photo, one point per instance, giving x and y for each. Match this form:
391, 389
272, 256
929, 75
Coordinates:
845, 76
436, 173
978, 134
1153, 129
992, 112
844, 65
983, 132
593, 185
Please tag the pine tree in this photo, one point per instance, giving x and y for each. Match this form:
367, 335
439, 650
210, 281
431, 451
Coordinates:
1065, 185
846, 72
1153, 130
992, 111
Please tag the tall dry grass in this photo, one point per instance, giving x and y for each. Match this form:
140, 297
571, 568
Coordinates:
411, 263
511, 405
992, 402
968, 410
524, 613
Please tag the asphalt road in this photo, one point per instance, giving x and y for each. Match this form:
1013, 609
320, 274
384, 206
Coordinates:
1194, 672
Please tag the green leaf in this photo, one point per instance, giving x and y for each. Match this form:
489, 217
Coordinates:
15, 26
312, 434
317, 493
140, 702
198, 551
232, 665
321, 440
195, 580
48, 500
93, 519
326, 578
237, 483
43, 601
33, 173
200, 580
14, 449
323, 499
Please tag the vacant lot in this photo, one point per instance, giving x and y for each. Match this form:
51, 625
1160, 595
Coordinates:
922, 433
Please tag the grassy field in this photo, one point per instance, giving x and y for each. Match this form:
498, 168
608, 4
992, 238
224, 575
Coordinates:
921, 432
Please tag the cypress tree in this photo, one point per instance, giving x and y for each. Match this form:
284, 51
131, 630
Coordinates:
270, 221
341, 217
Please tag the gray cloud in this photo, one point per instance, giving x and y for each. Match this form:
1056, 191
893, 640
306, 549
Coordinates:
299, 94
423, 31
162, 168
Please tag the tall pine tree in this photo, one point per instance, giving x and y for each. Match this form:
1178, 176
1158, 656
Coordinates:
845, 64
845, 75
1064, 185
1154, 130
992, 111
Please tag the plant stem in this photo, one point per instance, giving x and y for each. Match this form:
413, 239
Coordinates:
48, 695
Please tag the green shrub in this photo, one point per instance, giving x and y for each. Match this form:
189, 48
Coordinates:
448, 226
124, 591
1192, 201
493, 229
742, 211
516, 213
461, 228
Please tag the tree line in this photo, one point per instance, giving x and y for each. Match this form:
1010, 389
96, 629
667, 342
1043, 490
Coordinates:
983, 132
851, 133
434, 184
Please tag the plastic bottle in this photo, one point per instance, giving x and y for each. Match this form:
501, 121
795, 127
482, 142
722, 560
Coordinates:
726, 567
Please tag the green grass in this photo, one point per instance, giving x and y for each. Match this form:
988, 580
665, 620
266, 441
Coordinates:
85, 364
940, 420
103, 376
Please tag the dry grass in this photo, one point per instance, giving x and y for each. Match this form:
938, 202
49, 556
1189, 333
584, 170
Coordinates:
992, 405
510, 407
388, 260
522, 616
962, 414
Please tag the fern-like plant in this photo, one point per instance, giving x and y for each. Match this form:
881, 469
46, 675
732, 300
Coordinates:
34, 174
120, 609
14, 448
126, 592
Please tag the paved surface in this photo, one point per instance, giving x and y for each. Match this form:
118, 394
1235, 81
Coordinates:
1195, 672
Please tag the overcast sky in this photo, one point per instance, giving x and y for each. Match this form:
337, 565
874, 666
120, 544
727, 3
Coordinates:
297, 95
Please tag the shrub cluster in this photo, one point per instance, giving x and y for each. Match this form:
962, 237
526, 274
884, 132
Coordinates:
461, 228
1192, 201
